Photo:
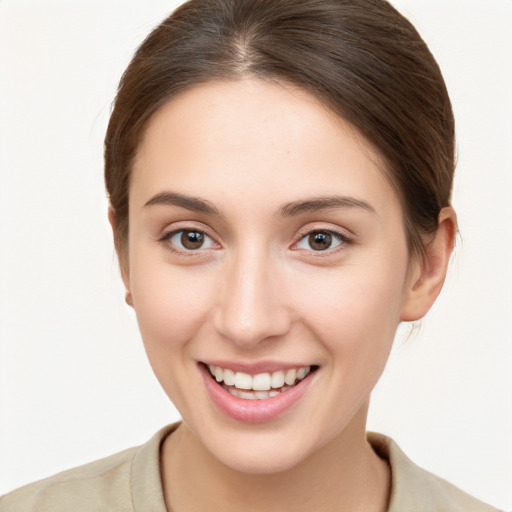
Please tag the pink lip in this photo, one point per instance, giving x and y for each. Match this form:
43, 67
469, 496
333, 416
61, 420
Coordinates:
255, 368
252, 411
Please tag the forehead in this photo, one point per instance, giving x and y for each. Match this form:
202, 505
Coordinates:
250, 137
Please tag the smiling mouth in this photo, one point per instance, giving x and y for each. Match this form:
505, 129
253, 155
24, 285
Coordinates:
261, 386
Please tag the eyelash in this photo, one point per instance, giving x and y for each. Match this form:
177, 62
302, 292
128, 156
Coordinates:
168, 236
341, 238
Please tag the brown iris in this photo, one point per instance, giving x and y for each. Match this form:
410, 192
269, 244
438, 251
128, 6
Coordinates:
320, 241
192, 239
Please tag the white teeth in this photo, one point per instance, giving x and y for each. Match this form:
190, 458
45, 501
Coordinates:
234, 392
229, 377
261, 382
290, 377
265, 385
247, 395
243, 380
278, 379
302, 372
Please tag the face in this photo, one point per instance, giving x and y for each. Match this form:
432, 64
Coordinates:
266, 247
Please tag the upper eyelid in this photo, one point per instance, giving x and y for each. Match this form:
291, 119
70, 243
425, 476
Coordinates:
302, 234
172, 232
178, 226
343, 233
167, 233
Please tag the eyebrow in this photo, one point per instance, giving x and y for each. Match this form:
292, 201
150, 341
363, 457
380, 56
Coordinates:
316, 204
183, 201
294, 208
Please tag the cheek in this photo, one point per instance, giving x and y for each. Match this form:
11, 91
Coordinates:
355, 312
171, 305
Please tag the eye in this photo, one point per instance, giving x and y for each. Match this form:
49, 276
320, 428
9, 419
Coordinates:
186, 240
321, 240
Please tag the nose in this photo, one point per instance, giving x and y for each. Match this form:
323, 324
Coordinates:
252, 302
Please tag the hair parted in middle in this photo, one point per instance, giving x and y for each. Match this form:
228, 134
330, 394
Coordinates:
360, 58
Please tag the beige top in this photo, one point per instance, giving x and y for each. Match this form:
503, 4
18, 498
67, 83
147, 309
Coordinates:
129, 481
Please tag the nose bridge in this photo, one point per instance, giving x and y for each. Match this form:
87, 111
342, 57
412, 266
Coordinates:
251, 307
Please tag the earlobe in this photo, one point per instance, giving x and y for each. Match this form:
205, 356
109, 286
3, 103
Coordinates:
123, 264
428, 277
128, 298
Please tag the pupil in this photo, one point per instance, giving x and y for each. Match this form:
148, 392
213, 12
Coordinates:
192, 239
320, 241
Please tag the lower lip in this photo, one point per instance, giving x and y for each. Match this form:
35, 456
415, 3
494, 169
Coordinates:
253, 411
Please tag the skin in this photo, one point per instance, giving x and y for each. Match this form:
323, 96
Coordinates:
258, 291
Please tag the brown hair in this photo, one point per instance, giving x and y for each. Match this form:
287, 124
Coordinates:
361, 58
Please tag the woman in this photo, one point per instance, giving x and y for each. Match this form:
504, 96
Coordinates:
279, 178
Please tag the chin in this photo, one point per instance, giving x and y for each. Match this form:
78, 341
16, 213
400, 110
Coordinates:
262, 459
265, 449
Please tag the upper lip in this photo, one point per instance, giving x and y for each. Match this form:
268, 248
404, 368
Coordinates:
253, 368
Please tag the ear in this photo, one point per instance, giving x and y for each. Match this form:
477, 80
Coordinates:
428, 275
123, 260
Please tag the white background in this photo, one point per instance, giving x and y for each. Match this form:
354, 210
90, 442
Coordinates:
74, 381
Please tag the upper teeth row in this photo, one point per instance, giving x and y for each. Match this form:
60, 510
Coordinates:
260, 381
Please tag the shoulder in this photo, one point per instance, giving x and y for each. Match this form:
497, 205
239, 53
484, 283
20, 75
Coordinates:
84, 486
113, 483
416, 490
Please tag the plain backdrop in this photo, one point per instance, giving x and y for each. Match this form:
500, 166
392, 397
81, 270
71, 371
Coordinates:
74, 381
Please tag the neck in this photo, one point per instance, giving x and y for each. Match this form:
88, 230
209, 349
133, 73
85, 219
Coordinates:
345, 474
